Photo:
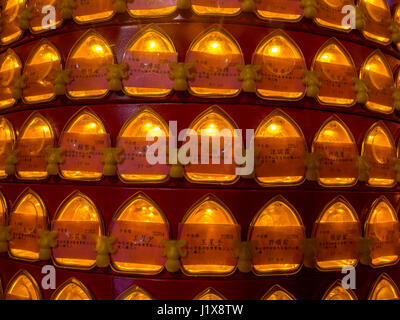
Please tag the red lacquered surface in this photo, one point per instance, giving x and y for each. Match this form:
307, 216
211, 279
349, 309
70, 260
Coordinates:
175, 197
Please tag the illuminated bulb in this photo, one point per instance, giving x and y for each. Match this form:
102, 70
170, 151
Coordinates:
373, 67
281, 215
90, 53
144, 123
50, 56
211, 128
227, 54
97, 48
325, 57
279, 54
275, 50
378, 145
210, 212
339, 212
329, 133
273, 127
153, 42
23, 287
92, 125
208, 125
41, 63
276, 128
30, 205
35, 128
78, 209
72, 289
140, 210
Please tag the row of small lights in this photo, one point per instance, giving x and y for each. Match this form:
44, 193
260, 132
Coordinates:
120, 6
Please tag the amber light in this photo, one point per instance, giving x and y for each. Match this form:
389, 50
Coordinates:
209, 294
210, 218
276, 292
10, 69
39, 70
148, 55
379, 146
383, 225
330, 14
135, 293
277, 220
215, 54
87, 61
85, 129
77, 216
337, 292
72, 289
378, 74
340, 221
337, 73
384, 288
3, 212
335, 142
35, 136
396, 18
147, 226
132, 138
22, 286
93, 11
28, 215
156, 8
7, 140
10, 20
281, 10
279, 134
377, 17
211, 122
397, 81
230, 7
282, 65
